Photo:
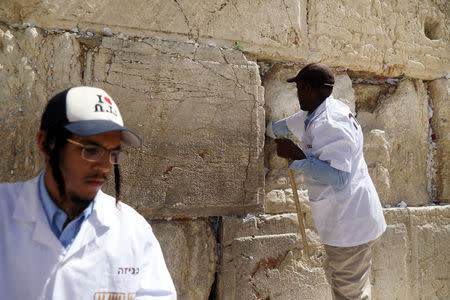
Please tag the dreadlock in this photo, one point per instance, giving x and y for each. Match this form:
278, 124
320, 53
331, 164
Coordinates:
54, 141
117, 180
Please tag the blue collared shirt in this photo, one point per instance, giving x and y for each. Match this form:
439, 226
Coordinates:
309, 117
57, 217
318, 169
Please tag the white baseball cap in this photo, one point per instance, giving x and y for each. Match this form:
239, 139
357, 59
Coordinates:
86, 111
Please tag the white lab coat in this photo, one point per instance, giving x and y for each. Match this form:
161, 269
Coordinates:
114, 256
352, 215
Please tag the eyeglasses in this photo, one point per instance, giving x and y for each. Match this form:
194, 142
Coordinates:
93, 153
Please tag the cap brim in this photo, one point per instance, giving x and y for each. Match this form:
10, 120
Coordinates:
94, 127
293, 79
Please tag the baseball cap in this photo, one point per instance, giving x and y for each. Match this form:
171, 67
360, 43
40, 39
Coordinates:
86, 111
316, 74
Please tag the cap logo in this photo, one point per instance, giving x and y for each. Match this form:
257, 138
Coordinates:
100, 106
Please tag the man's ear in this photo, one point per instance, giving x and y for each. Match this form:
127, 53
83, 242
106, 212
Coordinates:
41, 138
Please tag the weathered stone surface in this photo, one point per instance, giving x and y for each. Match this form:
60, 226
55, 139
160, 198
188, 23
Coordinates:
440, 96
280, 96
33, 67
390, 276
430, 227
344, 91
190, 252
389, 38
403, 117
411, 260
262, 258
377, 154
383, 37
368, 95
201, 122
282, 32
198, 109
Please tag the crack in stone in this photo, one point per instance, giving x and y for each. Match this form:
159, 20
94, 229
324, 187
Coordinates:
222, 6
251, 147
308, 33
194, 60
186, 20
292, 25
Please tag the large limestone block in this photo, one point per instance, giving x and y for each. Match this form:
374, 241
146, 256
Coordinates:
383, 37
33, 66
343, 90
280, 96
390, 276
190, 252
199, 112
272, 29
262, 259
430, 252
198, 109
401, 143
412, 257
377, 154
367, 95
440, 96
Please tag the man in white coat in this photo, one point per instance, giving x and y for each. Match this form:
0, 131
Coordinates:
61, 237
344, 203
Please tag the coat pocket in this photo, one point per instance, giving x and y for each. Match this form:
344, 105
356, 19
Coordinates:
323, 216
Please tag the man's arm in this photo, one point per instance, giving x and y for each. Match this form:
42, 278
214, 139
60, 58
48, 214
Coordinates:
316, 168
321, 171
156, 282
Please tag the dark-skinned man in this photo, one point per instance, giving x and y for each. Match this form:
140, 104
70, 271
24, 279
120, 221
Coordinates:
344, 203
61, 237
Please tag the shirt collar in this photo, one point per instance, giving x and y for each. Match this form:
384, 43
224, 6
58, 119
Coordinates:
315, 112
308, 118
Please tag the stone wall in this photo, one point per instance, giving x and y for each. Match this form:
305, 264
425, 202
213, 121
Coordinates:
199, 80
263, 257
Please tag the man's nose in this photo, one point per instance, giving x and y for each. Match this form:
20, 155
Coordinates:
104, 163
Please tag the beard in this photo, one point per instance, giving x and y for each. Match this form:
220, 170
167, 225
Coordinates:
77, 199
78, 203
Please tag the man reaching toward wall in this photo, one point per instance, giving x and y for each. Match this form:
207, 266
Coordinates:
61, 237
344, 203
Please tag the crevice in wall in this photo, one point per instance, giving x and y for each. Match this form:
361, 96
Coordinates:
215, 222
387, 87
432, 29
89, 46
431, 171
308, 36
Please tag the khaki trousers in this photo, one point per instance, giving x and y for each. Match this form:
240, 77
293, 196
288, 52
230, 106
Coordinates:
348, 269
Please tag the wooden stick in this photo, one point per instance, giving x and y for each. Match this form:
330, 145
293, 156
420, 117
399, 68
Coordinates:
299, 211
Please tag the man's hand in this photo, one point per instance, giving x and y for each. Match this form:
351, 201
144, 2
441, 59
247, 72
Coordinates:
287, 149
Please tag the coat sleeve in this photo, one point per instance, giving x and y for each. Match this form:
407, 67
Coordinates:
156, 282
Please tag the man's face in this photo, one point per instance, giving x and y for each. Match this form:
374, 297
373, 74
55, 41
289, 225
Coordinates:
303, 94
82, 178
